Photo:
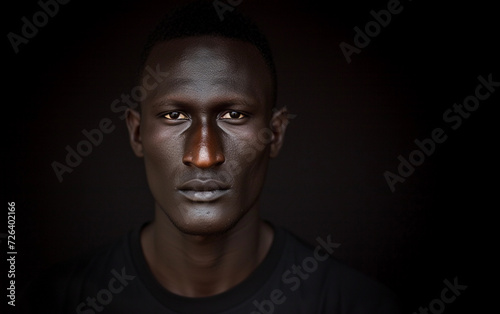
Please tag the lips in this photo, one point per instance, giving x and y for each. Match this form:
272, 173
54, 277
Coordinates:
198, 190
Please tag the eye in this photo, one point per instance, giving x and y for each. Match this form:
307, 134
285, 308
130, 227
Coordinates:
234, 115
176, 115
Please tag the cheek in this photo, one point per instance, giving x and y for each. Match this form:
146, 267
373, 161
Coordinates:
251, 176
159, 143
254, 148
248, 162
162, 154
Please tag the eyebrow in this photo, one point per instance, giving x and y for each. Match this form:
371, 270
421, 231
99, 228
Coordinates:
224, 101
233, 97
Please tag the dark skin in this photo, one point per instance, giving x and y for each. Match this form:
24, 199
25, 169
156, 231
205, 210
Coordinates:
206, 134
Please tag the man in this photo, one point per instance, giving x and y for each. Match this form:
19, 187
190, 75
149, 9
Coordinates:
206, 132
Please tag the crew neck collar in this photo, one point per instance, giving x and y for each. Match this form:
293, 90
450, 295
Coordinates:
217, 303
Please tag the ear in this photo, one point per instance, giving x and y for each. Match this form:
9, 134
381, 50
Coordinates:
279, 122
133, 120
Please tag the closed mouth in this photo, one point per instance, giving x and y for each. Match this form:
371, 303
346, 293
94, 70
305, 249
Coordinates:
198, 190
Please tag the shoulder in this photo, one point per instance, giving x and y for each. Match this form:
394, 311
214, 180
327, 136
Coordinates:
338, 285
66, 284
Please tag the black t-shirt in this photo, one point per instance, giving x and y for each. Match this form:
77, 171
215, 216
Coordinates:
294, 277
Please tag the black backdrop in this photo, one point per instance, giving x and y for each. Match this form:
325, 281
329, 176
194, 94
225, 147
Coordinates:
351, 122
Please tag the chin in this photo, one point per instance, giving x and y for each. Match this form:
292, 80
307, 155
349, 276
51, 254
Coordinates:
203, 219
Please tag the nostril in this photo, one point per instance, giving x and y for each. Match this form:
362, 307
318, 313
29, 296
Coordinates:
204, 156
220, 159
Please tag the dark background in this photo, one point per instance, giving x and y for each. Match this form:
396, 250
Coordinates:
352, 121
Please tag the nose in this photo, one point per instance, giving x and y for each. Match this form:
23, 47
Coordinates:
203, 146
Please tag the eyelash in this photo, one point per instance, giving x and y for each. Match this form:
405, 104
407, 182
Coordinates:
241, 115
169, 113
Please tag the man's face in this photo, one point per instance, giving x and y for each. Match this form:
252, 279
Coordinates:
207, 131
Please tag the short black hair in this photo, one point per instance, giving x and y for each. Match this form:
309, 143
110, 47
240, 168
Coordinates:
201, 18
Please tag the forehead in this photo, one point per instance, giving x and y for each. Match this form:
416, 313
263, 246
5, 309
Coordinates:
210, 66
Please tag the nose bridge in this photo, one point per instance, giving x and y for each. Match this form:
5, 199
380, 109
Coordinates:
203, 145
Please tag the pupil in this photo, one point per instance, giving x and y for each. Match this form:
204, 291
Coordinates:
174, 115
234, 114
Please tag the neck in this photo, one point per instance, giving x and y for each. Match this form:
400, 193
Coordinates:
200, 266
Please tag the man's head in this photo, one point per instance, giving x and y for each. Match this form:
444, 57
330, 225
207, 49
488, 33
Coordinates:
208, 129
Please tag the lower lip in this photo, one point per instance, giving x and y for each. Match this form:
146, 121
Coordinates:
203, 196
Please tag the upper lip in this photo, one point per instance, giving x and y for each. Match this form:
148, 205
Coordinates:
203, 185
